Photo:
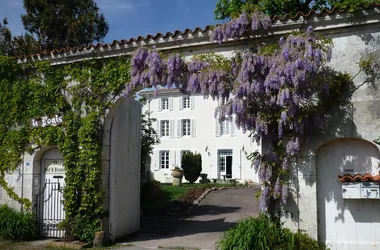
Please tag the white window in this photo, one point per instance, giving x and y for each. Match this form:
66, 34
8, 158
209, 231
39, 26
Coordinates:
186, 127
165, 104
186, 102
164, 159
225, 127
165, 128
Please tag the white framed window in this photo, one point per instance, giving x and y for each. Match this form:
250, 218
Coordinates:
225, 127
186, 102
165, 104
164, 159
186, 125
165, 128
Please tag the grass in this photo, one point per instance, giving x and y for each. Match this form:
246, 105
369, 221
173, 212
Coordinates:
178, 248
163, 195
16, 245
162, 198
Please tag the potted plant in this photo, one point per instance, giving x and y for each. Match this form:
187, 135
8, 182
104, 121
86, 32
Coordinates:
177, 175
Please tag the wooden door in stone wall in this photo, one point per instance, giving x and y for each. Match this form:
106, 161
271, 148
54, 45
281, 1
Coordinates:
348, 224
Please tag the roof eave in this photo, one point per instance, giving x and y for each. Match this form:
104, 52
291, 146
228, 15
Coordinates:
324, 22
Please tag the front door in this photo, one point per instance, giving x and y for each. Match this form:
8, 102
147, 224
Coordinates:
229, 166
225, 163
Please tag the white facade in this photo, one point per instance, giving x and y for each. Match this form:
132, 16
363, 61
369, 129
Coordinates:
187, 123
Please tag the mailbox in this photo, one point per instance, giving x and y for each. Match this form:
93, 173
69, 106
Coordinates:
351, 190
370, 190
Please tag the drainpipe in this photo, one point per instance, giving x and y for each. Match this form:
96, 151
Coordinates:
22, 180
240, 165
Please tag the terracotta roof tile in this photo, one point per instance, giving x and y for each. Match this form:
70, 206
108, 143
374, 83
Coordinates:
185, 32
359, 177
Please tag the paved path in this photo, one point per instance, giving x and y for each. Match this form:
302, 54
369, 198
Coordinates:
216, 213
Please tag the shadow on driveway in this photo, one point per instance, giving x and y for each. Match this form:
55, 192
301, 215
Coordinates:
219, 211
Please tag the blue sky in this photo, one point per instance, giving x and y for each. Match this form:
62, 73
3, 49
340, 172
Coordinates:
131, 18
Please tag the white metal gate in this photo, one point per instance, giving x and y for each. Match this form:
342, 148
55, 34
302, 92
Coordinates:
50, 211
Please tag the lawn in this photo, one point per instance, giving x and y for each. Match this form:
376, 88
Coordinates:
160, 197
40, 245
154, 198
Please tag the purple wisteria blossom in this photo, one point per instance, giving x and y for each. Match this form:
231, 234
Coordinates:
237, 27
264, 199
284, 194
293, 146
277, 190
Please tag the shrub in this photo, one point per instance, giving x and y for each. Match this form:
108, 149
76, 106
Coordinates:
151, 190
192, 166
261, 233
85, 227
16, 225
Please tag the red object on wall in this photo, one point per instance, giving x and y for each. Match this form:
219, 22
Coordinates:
359, 177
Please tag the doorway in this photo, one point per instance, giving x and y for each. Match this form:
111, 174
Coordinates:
346, 223
50, 210
225, 163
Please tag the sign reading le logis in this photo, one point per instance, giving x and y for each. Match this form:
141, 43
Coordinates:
46, 121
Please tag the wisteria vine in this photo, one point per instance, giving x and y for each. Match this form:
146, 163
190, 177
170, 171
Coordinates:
272, 96
236, 28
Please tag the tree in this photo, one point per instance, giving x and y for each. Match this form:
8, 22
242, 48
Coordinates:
24, 45
149, 137
227, 9
5, 38
16, 45
192, 166
64, 23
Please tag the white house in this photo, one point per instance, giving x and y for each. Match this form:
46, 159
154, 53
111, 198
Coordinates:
187, 123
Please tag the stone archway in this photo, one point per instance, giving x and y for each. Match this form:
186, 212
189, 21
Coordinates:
343, 223
48, 183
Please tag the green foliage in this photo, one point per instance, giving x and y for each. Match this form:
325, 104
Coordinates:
58, 24
85, 227
24, 45
15, 225
351, 5
149, 137
227, 9
192, 166
261, 233
5, 38
16, 45
97, 85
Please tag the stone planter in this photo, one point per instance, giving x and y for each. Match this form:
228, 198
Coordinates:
177, 175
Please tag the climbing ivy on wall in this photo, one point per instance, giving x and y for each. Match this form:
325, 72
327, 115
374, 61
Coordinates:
82, 92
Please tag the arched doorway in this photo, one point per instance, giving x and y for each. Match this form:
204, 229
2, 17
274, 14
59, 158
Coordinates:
346, 223
50, 211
